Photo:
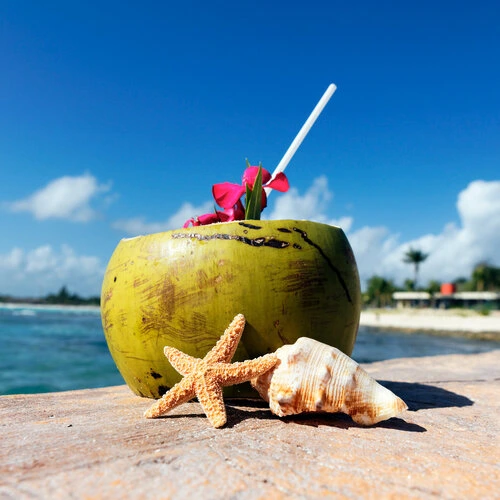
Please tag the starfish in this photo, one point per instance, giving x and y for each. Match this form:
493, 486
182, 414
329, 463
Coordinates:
205, 378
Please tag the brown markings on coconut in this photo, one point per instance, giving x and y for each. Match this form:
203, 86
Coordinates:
140, 282
305, 279
153, 323
249, 226
205, 281
105, 316
254, 242
162, 389
105, 297
279, 331
304, 236
154, 374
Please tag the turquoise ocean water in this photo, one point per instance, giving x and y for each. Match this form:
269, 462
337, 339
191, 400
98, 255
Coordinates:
58, 349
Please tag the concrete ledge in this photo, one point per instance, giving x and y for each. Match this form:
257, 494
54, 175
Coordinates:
95, 443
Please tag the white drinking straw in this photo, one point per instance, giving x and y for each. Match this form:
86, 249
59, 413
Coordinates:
303, 131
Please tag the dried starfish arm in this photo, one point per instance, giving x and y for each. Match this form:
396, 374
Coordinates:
180, 393
210, 397
226, 346
236, 373
183, 363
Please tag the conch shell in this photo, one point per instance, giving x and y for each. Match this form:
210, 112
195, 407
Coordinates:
311, 376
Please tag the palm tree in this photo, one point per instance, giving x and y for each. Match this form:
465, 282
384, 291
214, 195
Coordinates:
415, 257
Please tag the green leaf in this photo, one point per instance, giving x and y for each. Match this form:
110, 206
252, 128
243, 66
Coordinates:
253, 198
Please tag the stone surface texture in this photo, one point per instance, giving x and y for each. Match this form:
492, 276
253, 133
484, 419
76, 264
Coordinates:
96, 444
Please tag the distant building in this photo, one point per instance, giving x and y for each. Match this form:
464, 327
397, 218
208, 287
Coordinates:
412, 299
446, 298
468, 299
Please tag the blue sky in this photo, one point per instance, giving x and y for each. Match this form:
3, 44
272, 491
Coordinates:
113, 118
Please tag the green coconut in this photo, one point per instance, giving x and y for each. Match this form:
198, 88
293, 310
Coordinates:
182, 288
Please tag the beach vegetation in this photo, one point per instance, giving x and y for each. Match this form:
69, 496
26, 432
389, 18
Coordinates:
461, 284
433, 286
484, 310
379, 292
485, 278
409, 285
64, 297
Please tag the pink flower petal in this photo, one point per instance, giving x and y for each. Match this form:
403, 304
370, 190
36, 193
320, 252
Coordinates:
206, 219
280, 183
239, 211
266, 176
235, 213
227, 194
225, 216
263, 203
192, 221
250, 174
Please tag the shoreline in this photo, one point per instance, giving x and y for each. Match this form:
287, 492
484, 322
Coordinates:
459, 322
12, 306
440, 322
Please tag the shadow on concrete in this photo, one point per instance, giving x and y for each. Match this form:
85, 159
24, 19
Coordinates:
237, 411
247, 402
417, 396
237, 415
342, 421
421, 396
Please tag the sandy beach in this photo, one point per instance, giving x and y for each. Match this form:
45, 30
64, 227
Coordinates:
435, 320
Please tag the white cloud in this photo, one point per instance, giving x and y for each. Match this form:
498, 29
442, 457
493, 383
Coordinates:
45, 270
452, 253
371, 245
309, 206
63, 198
138, 225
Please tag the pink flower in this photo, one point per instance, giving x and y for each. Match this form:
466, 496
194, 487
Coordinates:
227, 194
235, 213
205, 219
